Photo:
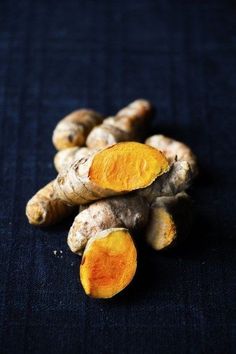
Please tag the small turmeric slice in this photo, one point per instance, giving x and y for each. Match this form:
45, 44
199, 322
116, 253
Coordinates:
109, 263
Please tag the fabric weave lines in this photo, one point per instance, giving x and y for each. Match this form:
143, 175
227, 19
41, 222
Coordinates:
58, 56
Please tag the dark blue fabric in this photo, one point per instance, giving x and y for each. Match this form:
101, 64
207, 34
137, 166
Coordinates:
56, 56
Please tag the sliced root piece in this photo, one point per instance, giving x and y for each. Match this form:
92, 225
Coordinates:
174, 150
45, 208
170, 221
109, 263
74, 128
117, 169
129, 211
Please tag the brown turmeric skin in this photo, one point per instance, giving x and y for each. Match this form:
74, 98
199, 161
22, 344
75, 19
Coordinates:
125, 126
109, 263
118, 169
177, 179
64, 158
74, 128
170, 221
174, 151
129, 211
45, 208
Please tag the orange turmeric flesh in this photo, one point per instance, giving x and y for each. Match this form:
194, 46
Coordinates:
109, 263
127, 166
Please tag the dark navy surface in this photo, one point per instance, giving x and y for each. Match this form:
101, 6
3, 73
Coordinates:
56, 56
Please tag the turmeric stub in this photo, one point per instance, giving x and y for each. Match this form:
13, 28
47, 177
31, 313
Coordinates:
170, 221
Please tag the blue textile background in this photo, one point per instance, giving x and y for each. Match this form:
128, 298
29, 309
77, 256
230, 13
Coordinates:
56, 56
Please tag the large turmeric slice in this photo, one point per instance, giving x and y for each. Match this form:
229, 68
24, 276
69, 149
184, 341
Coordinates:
45, 208
109, 263
170, 221
129, 211
174, 150
74, 128
118, 169
126, 125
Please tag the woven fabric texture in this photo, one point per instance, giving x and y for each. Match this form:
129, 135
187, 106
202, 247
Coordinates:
56, 56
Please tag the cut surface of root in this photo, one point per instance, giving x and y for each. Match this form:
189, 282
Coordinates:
127, 166
109, 263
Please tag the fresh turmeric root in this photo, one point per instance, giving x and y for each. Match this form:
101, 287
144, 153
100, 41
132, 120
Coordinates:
45, 208
170, 221
123, 127
74, 128
109, 263
129, 211
118, 169
64, 158
174, 150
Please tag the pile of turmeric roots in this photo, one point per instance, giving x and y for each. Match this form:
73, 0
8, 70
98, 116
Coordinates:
116, 184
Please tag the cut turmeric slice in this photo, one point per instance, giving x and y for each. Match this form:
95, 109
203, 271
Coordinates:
109, 263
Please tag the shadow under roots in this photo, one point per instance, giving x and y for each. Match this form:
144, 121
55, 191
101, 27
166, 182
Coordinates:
64, 225
145, 273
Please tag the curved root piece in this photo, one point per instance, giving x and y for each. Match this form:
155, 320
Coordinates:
177, 179
129, 211
109, 263
117, 169
64, 158
174, 150
74, 128
45, 208
170, 221
123, 127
